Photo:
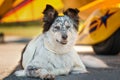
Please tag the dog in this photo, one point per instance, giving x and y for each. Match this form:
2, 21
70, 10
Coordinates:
52, 53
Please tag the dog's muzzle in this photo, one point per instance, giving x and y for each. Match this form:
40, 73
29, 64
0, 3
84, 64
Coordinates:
64, 39
62, 42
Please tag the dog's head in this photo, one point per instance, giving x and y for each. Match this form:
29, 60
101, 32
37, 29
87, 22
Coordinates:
62, 28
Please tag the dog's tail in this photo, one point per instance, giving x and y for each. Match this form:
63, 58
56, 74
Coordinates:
93, 62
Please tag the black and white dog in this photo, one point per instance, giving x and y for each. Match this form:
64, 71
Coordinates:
52, 53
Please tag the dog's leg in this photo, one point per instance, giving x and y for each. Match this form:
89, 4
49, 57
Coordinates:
78, 70
78, 67
38, 72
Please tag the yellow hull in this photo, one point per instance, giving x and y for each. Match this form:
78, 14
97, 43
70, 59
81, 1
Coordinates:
99, 26
28, 10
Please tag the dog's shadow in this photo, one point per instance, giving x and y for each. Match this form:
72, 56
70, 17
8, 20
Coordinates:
62, 77
13, 77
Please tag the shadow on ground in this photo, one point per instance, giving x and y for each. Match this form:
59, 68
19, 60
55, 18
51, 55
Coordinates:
112, 73
21, 40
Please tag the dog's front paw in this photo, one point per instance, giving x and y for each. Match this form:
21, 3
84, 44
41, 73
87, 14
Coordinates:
32, 71
20, 73
31, 68
49, 77
44, 74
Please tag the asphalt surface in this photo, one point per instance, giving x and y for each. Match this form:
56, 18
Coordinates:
10, 55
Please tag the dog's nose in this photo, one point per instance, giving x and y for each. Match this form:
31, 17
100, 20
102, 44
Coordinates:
64, 37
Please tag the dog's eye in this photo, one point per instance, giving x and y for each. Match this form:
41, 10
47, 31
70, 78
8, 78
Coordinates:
67, 27
57, 27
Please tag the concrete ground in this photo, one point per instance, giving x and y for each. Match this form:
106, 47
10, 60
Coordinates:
10, 55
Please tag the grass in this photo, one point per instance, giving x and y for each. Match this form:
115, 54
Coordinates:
21, 29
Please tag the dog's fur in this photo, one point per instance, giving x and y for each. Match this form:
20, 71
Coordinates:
52, 53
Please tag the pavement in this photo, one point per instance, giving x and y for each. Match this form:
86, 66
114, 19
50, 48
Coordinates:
10, 53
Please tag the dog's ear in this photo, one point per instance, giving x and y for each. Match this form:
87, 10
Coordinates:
49, 16
73, 14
